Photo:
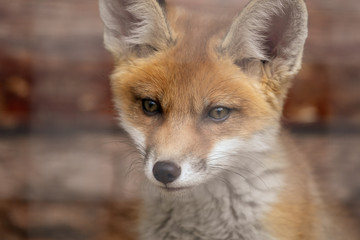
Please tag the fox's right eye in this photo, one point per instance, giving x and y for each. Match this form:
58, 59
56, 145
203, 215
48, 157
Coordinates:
150, 107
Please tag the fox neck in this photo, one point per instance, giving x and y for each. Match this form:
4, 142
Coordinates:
230, 206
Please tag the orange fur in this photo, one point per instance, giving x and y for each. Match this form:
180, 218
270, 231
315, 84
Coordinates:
190, 77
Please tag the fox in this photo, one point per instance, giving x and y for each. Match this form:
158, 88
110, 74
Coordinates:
200, 89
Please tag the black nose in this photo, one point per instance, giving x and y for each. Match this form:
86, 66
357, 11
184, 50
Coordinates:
166, 172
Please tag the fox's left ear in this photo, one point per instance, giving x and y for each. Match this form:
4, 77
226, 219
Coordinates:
268, 33
134, 27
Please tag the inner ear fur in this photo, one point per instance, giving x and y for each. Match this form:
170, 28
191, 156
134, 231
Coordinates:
134, 27
270, 35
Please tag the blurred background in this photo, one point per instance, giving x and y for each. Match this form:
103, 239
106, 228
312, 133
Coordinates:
64, 163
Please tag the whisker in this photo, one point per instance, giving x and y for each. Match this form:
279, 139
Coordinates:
135, 165
230, 169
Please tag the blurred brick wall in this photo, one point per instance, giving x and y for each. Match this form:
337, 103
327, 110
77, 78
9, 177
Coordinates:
54, 70
326, 91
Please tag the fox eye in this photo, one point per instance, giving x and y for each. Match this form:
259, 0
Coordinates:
219, 114
150, 107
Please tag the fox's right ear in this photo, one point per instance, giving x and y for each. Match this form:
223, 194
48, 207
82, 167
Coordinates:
272, 32
134, 27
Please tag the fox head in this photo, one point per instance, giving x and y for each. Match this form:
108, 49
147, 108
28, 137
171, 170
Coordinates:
201, 92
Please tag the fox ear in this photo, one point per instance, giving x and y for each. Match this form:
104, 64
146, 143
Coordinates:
270, 32
134, 26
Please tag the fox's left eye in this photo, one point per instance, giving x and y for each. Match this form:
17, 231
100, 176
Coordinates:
219, 114
150, 107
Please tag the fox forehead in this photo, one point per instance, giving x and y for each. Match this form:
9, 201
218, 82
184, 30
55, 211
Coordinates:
189, 87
